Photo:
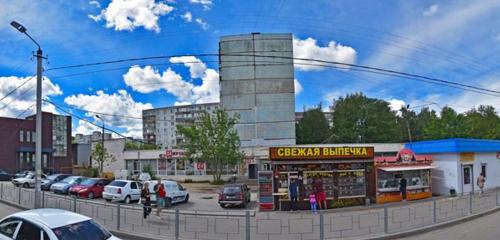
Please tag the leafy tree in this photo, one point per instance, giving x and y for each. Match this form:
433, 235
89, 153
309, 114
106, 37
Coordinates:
359, 119
483, 123
132, 145
313, 127
213, 139
101, 156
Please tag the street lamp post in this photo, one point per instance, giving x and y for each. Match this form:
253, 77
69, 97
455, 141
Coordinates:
102, 141
38, 145
408, 122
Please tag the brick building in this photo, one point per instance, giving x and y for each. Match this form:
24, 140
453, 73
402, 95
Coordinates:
17, 143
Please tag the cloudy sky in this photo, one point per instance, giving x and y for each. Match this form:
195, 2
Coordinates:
453, 40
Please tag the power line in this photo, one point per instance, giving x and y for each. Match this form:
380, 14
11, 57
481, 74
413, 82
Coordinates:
83, 119
350, 66
15, 89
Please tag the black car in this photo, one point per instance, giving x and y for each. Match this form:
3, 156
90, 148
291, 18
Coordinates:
4, 176
237, 194
54, 178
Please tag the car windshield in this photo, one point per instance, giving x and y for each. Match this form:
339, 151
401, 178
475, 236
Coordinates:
118, 184
232, 189
29, 175
53, 177
69, 180
82, 231
89, 182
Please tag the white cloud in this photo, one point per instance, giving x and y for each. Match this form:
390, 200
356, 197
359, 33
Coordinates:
118, 104
467, 100
309, 48
207, 4
86, 128
25, 97
182, 103
188, 17
396, 105
297, 86
129, 14
95, 3
202, 23
433, 9
147, 80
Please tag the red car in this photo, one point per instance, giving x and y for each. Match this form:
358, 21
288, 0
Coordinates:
90, 188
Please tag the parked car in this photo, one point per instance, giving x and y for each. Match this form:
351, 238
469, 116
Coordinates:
90, 188
122, 190
51, 224
21, 174
236, 194
64, 185
54, 178
4, 176
26, 181
176, 193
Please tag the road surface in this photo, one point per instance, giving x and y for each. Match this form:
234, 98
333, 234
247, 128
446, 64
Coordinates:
484, 228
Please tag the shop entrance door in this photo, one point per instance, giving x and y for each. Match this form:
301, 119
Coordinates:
467, 179
252, 171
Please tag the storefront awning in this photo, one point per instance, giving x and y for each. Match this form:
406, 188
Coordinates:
405, 168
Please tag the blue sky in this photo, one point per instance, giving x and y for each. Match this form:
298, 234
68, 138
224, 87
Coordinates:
454, 40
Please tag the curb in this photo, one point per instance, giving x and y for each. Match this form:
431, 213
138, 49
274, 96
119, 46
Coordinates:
422, 230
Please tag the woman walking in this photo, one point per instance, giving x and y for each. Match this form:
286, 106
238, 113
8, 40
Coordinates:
147, 200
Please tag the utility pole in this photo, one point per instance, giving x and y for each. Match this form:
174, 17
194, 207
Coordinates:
38, 145
102, 142
408, 122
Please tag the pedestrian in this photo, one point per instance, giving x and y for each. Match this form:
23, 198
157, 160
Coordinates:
160, 197
320, 193
480, 182
402, 188
147, 200
293, 192
312, 201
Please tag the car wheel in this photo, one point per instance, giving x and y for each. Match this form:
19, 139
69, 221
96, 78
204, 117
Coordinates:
244, 204
127, 200
91, 195
222, 205
108, 200
186, 199
26, 185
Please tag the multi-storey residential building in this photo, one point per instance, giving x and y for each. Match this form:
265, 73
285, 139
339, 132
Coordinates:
160, 124
261, 91
17, 143
95, 136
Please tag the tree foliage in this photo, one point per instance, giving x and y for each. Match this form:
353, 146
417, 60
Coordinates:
359, 119
132, 145
97, 155
313, 127
213, 139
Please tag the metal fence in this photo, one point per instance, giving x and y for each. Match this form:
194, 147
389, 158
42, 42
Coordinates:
332, 224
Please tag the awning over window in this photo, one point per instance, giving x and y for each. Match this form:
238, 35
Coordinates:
405, 168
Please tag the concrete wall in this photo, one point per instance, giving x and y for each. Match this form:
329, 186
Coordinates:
82, 154
259, 89
116, 148
446, 175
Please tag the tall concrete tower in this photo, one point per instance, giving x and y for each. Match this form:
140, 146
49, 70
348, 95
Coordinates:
259, 89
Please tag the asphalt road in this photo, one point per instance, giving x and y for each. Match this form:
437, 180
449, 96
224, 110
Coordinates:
483, 228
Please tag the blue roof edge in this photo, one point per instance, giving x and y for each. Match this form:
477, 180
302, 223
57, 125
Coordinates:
455, 145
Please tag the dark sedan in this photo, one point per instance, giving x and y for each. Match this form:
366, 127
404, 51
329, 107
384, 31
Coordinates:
54, 178
4, 176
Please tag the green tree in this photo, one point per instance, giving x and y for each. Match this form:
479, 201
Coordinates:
483, 123
359, 119
313, 127
426, 121
132, 145
101, 156
213, 139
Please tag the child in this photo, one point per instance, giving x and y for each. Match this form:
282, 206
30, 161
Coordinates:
312, 201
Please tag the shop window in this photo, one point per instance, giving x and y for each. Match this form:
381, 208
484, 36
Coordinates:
483, 169
21, 136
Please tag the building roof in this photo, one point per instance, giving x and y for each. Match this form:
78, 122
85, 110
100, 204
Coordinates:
52, 218
455, 145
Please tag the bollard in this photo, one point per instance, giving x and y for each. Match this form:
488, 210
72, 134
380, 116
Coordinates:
74, 204
470, 202
176, 224
118, 213
321, 226
247, 225
19, 198
386, 220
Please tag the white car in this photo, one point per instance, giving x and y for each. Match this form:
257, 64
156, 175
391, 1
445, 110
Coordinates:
26, 181
176, 193
123, 191
51, 224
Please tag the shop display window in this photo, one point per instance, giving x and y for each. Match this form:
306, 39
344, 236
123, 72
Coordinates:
326, 178
351, 184
389, 181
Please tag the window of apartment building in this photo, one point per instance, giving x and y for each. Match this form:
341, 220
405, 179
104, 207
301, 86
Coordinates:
33, 136
59, 133
21, 136
28, 136
171, 123
21, 157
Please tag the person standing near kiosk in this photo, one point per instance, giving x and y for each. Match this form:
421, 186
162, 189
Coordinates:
402, 188
294, 193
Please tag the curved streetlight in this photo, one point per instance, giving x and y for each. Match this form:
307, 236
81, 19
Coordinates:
38, 144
